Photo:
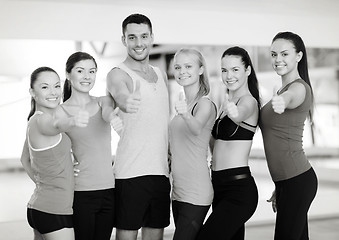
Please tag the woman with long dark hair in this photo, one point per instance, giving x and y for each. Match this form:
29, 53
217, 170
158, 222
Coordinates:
235, 191
94, 186
282, 126
46, 157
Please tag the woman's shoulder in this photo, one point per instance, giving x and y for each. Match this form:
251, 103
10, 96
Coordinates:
205, 100
38, 120
105, 101
206, 104
247, 99
40, 117
298, 86
103, 98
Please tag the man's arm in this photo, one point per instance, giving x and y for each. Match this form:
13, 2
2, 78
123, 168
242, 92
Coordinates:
107, 105
120, 87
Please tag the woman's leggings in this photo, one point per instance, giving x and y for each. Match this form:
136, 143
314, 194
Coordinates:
294, 197
93, 214
235, 201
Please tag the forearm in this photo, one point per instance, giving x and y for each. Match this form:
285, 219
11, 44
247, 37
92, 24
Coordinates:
107, 108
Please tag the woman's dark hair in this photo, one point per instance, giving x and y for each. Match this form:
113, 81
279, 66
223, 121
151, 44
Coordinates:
252, 78
71, 61
34, 77
299, 46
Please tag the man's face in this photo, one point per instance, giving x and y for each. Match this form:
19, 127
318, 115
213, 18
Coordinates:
138, 40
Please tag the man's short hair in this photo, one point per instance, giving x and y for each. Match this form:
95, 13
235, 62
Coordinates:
138, 19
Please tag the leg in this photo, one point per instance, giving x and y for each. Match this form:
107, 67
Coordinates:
104, 219
305, 231
234, 203
85, 208
294, 197
224, 222
188, 220
126, 234
64, 234
130, 205
157, 214
152, 233
37, 235
142, 202
240, 234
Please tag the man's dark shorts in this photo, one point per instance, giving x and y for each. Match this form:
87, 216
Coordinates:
142, 202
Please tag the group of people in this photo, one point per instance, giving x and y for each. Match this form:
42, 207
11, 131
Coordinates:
161, 163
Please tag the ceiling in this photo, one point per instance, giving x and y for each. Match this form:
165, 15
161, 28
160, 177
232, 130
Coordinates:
25, 25
244, 22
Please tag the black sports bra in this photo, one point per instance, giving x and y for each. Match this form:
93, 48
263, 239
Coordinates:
227, 130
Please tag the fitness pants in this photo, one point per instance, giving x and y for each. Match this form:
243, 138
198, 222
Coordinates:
93, 214
235, 201
294, 197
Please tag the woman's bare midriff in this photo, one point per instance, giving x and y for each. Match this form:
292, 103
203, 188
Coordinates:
230, 154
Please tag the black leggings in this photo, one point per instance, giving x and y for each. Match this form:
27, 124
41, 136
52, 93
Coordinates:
294, 197
234, 203
93, 214
188, 219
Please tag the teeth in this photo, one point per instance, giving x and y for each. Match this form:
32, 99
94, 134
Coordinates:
138, 50
231, 82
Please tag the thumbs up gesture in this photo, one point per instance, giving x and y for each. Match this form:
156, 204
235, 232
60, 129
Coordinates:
181, 105
230, 108
133, 100
116, 121
82, 118
278, 102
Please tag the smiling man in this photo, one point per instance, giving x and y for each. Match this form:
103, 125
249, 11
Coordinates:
141, 165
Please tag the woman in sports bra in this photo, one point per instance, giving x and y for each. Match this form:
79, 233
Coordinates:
93, 204
190, 132
46, 157
235, 192
282, 126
